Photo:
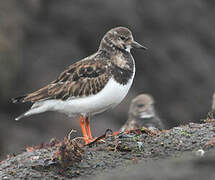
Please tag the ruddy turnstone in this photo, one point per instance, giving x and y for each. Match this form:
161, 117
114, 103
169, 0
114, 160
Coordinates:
91, 85
142, 113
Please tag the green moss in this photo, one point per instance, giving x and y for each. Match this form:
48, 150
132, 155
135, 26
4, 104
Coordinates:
185, 133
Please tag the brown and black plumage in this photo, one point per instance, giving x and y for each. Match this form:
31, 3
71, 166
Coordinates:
84, 78
91, 85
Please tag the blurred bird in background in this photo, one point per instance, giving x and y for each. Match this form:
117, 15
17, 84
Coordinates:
213, 103
142, 114
210, 115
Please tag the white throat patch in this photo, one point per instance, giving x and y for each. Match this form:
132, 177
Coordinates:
146, 115
128, 48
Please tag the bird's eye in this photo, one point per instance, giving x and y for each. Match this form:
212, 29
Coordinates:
123, 38
140, 105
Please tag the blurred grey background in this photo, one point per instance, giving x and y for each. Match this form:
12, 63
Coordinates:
39, 39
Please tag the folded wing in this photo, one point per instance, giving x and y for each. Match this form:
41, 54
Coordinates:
83, 78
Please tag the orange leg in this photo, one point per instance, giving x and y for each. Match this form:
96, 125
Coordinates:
82, 123
85, 126
87, 121
116, 133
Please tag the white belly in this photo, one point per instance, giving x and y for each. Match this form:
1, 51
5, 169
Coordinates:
112, 94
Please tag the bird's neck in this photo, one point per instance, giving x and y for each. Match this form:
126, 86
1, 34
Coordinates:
123, 67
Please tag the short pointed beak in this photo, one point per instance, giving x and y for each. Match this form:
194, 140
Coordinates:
135, 44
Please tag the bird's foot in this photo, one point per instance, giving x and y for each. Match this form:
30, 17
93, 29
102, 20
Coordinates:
116, 133
101, 138
89, 140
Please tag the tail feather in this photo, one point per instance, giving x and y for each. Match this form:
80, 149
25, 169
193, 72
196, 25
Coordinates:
19, 99
37, 108
41, 94
20, 117
37, 98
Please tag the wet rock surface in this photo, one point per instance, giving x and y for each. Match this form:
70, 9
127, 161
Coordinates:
185, 151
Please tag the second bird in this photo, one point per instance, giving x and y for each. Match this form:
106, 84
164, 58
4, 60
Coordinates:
142, 113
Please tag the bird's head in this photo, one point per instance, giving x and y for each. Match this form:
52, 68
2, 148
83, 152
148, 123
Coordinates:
120, 38
142, 106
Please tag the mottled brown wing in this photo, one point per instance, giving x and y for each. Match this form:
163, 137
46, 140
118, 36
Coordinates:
81, 79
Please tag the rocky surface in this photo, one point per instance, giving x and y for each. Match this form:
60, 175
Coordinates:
185, 151
184, 167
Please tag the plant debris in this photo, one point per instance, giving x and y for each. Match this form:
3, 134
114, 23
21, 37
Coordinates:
68, 153
71, 158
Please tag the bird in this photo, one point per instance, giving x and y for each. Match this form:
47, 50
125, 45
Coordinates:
142, 113
210, 114
91, 85
213, 103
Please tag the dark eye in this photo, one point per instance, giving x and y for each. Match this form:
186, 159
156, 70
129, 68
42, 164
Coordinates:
140, 105
123, 38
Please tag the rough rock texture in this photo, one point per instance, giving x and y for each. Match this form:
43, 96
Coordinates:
179, 152
184, 167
